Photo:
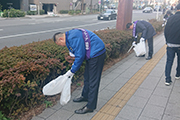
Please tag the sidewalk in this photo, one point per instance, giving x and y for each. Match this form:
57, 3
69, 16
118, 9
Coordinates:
132, 89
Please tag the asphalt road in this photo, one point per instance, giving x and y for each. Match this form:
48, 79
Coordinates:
16, 32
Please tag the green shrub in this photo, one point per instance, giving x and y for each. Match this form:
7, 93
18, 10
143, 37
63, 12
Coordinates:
31, 13
13, 13
72, 12
63, 11
41, 12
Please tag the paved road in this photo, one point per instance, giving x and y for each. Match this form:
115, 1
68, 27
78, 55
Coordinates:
16, 32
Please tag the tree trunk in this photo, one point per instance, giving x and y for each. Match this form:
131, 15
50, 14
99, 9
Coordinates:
124, 16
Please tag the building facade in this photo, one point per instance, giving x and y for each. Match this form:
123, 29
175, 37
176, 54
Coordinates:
50, 5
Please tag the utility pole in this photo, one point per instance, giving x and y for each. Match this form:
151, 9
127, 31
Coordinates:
91, 7
82, 6
125, 8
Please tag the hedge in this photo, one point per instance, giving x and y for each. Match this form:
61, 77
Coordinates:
24, 70
13, 13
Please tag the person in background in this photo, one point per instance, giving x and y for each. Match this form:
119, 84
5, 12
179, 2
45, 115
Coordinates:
172, 36
166, 16
85, 45
147, 30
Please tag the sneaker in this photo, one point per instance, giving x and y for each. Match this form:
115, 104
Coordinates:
167, 83
177, 78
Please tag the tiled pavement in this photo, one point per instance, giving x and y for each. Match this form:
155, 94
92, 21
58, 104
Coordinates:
132, 89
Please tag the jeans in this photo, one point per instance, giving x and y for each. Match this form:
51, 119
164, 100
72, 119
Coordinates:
169, 62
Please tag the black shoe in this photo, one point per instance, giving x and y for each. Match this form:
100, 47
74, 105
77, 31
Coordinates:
83, 110
142, 56
148, 58
80, 99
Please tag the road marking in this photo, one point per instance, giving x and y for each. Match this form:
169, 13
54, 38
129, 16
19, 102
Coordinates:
40, 32
1, 29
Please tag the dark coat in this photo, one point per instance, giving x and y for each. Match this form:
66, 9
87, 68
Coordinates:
172, 29
145, 28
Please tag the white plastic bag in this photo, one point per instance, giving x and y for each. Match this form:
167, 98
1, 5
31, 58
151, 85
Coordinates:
66, 92
140, 48
55, 86
61, 84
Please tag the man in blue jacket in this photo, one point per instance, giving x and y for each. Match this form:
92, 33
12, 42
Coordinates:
147, 31
85, 45
172, 35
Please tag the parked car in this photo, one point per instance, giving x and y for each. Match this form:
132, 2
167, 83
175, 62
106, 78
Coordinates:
108, 14
147, 10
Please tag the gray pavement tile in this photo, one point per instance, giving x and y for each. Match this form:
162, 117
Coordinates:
72, 106
114, 86
46, 113
86, 116
168, 117
120, 118
146, 118
118, 70
61, 115
153, 111
37, 118
158, 100
112, 68
106, 80
128, 74
165, 92
157, 72
145, 93
102, 86
176, 89
106, 94
150, 83
100, 103
135, 68
77, 92
129, 112
177, 83
57, 106
174, 98
173, 110
137, 101
111, 76
120, 80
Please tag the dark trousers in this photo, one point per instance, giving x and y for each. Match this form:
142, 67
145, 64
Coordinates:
92, 76
169, 62
150, 45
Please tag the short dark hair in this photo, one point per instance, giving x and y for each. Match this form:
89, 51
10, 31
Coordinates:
54, 36
128, 25
178, 7
168, 12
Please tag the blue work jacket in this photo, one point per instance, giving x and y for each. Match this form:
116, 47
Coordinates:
76, 45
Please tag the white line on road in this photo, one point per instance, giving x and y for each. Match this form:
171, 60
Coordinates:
40, 32
1, 29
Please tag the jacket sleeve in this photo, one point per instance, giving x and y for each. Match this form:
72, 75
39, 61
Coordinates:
78, 47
